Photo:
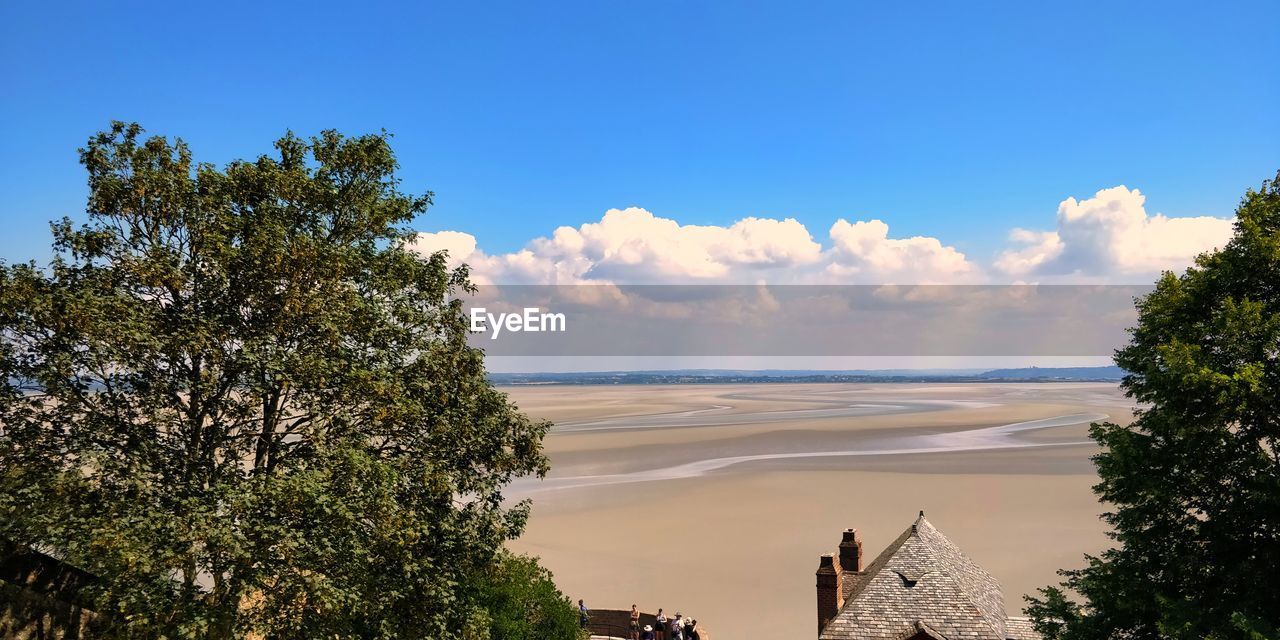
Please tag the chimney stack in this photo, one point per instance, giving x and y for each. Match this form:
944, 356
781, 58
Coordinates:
850, 558
851, 551
829, 590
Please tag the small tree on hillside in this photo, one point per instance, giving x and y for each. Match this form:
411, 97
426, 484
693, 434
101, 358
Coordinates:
1194, 481
239, 399
523, 602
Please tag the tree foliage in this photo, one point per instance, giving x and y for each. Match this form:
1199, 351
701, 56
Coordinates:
523, 602
1194, 481
238, 397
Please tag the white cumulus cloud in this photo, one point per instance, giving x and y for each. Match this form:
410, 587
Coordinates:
634, 246
863, 251
1111, 235
1107, 238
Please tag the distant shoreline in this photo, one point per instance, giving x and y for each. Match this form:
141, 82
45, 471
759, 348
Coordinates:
693, 377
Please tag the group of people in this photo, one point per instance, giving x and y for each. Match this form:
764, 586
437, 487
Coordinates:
680, 627
677, 628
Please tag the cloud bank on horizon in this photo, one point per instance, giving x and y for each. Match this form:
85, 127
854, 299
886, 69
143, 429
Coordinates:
1109, 238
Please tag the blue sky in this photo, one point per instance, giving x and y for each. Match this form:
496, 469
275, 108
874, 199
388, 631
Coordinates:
953, 120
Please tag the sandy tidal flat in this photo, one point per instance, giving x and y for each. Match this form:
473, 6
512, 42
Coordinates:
716, 500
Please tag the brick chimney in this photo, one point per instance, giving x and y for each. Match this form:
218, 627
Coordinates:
851, 551
829, 590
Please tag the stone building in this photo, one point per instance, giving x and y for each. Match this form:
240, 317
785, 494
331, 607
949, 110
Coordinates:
41, 597
921, 587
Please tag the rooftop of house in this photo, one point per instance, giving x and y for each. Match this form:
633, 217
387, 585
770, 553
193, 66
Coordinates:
923, 586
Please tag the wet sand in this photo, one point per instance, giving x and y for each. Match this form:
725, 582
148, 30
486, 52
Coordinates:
716, 500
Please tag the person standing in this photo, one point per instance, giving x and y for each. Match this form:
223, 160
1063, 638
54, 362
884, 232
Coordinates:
660, 625
583, 615
691, 630
635, 623
677, 627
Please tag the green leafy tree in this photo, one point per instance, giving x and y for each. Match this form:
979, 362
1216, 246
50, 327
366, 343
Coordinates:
523, 602
241, 399
1194, 481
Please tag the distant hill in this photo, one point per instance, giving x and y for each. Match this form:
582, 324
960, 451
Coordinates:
1055, 373
734, 376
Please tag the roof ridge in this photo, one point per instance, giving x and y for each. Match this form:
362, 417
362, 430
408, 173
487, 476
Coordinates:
943, 566
865, 576
922, 553
955, 561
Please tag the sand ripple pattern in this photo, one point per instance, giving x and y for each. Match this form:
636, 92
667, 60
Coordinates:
986, 438
722, 415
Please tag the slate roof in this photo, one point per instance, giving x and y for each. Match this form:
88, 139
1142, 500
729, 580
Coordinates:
1020, 629
922, 583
